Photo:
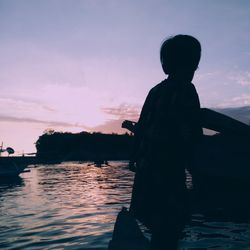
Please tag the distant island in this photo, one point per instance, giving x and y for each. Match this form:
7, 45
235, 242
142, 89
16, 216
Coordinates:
83, 146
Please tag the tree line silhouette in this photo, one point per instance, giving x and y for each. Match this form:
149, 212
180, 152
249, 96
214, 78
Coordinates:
64, 146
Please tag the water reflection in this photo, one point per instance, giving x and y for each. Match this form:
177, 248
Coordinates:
69, 204
73, 205
221, 216
203, 233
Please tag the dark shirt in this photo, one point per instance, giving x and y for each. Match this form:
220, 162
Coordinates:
168, 127
169, 123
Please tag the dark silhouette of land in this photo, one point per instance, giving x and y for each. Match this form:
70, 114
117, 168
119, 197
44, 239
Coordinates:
83, 146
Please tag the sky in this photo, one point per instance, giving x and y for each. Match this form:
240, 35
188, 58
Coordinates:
74, 65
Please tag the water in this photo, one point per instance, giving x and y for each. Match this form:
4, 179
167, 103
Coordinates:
74, 206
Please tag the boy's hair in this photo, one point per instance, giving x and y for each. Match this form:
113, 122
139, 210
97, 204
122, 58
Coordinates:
180, 52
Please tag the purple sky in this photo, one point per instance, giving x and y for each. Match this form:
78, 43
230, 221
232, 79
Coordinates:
86, 65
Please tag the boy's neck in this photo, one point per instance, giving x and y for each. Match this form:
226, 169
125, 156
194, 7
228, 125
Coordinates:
184, 76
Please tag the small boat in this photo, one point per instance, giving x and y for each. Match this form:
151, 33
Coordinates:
99, 163
11, 166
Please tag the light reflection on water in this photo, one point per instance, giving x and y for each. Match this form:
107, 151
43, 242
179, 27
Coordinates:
64, 205
74, 206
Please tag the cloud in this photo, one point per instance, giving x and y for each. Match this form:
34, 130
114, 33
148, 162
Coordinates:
207, 75
235, 102
120, 113
111, 126
224, 88
241, 78
22, 104
123, 111
5, 118
25, 64
79, 104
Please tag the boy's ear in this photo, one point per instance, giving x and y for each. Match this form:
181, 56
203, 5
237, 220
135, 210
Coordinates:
165, 69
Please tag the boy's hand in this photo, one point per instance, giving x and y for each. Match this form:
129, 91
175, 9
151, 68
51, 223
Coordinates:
129, 125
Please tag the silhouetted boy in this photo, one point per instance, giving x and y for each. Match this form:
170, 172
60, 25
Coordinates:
168, 127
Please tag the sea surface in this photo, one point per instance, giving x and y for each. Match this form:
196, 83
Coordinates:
74, 205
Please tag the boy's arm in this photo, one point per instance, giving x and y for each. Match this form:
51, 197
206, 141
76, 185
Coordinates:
138, 128
190, 123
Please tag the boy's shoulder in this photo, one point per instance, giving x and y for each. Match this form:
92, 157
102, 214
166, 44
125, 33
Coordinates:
188, 88
158, 87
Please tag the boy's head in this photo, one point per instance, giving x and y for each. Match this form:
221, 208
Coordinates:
180, 53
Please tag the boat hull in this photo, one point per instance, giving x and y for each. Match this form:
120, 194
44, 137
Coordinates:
221, 159
11, 166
